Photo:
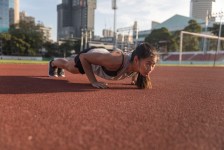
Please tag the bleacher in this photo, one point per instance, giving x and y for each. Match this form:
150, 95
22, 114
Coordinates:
173, 57
203, 57
220, 57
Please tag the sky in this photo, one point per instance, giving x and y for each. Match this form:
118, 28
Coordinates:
128, 11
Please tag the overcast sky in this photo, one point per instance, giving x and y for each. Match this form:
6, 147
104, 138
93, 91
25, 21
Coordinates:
128, 11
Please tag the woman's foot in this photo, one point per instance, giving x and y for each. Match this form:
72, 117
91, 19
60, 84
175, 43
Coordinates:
61, 72
52, 71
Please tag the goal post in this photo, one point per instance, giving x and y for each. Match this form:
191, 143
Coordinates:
197, 35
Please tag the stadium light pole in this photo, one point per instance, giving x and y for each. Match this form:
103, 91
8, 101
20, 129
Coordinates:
220, 15
114, 7
81, 46
220, 30
1, 47
135, 29
181, 47
1, 43
86, 38
206, 29
81, 4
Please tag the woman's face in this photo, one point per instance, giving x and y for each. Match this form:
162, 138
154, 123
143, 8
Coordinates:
146, 66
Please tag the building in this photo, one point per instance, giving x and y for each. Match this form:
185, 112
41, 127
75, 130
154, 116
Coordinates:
108, 33
46, 31
198, 11
75, 16
175, 23
9, 14
42, 28
24, 17
125, 41
200, 8
154, 23
16, 12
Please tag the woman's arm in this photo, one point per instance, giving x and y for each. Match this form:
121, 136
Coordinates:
97, 59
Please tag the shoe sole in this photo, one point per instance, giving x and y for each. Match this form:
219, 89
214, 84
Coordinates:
61, 76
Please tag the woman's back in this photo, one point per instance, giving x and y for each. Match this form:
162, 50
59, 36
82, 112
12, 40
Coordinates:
121, 71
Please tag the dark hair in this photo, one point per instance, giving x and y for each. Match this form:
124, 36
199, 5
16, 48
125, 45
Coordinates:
143, 51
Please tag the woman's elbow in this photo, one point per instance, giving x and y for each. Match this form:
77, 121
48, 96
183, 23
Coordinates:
82, 57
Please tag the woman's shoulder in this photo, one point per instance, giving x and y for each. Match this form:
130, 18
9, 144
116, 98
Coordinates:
98, 50
117, 52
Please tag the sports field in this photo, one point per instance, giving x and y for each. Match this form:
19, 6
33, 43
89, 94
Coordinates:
184, 110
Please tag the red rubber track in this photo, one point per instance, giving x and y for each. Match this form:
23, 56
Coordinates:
184, 110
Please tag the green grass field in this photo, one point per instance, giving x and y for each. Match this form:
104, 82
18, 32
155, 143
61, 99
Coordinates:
22, 62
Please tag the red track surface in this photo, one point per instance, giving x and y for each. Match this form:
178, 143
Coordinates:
184, 110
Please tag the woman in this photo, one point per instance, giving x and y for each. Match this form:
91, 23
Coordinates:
114, 65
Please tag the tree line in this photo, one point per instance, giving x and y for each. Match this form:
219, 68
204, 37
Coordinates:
27, 39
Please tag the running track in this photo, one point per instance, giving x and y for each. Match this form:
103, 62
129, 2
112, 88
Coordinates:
184, 110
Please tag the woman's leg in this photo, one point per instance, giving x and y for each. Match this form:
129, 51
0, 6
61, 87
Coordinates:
63, 63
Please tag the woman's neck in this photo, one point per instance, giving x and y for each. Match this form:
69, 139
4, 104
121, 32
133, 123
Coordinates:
132, 67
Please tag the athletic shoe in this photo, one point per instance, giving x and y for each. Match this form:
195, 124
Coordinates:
61, 72
52, 71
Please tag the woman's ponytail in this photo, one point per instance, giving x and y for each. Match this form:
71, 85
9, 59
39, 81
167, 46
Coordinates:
143, 82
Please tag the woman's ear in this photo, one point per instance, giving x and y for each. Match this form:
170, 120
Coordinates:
136, 59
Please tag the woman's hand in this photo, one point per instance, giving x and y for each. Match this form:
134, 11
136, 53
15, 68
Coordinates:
134, 79
100, 85
133, 82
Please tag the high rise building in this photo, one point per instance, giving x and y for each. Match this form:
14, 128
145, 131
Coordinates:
16, 11
9, 13
75, 16
200, 8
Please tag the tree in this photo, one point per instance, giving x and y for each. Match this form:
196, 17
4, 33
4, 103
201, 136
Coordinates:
193, 26
191, 43
29, 33
5, 37
13, 45
158, 36
52, 49
215, 31
66, 47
